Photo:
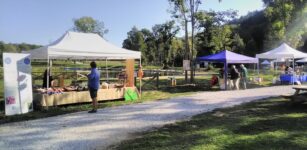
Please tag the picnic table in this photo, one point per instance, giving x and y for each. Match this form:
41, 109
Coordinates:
299, 88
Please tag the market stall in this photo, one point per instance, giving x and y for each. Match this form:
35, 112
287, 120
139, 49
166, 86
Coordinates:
89, 47
287, 53
228, 57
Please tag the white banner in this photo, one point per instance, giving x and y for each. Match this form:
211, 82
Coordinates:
17, 83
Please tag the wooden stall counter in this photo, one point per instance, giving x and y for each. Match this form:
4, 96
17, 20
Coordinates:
74, 97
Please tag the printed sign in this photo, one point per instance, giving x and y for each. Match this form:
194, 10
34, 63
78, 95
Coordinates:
186, 65
17, 83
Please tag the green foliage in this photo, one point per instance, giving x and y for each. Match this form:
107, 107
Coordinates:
158, 46
285, 22
89, 25
216, 33
15, 48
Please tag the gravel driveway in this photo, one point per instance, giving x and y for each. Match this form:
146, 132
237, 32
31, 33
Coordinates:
111, 125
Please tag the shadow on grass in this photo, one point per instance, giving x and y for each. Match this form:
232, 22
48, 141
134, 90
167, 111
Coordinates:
269, 124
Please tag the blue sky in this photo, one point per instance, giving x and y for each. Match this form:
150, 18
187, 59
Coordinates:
43, 21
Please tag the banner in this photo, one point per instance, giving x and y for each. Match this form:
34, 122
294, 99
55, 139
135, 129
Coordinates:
17, 83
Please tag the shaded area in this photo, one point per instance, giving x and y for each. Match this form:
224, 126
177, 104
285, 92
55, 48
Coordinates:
272, 124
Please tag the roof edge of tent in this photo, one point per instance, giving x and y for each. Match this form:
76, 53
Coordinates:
250, 60
46, 53
268, 55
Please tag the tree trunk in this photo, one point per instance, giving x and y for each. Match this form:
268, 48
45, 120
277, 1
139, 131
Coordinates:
192, 40
187, 47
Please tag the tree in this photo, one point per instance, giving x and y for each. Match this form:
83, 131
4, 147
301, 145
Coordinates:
253, 29
158, 46
217, 33
164, 35
135, 41
89, 25
185, 11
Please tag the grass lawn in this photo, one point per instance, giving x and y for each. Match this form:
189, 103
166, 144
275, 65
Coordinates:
269, 124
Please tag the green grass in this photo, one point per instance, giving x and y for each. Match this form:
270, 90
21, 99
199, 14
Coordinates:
266, 125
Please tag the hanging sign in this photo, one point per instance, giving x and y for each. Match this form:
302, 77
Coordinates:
17, 83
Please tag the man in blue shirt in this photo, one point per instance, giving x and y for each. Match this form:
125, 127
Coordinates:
93, 85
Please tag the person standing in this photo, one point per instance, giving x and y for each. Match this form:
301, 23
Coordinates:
45, 78
244, 74
93, 85
234, 77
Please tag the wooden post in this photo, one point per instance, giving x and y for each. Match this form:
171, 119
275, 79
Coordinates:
157, 83
130, 72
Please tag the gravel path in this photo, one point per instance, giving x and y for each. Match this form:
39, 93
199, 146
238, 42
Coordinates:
112, 125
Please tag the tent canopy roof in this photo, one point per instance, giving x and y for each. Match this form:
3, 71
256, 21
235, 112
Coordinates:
228, 57
265, 62
304, 60
78, 46
283, 51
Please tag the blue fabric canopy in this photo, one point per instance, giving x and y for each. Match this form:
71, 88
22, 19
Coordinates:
228, 57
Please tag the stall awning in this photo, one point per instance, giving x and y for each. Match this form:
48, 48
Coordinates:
282, 52
229, 57
79, 46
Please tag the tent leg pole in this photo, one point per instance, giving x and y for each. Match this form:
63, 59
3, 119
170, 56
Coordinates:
226, 75
258, 68
48, 72
140, 80
107, 70
294, 74
255, 69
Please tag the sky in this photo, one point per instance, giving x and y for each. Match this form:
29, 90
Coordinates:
44, 21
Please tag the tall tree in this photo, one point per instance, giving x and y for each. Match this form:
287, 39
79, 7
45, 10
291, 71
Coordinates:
135, 41
216, 33
164, 34
285, 21
185, 11
89, 25
158, 46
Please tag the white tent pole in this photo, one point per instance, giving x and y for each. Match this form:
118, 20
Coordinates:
294, 74
275, 67
48, 68
107, 70
258, 68
225, 74
140, 78
254, 68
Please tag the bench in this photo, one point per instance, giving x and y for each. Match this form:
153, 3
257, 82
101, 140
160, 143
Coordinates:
299, 88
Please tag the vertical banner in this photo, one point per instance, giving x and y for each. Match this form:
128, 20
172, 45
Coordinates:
17, 83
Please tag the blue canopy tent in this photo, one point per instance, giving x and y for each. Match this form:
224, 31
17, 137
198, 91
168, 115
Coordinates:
228, 57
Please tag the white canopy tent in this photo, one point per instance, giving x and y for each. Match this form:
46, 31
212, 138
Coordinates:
81, 46
265, 62
283, 51
279, 60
